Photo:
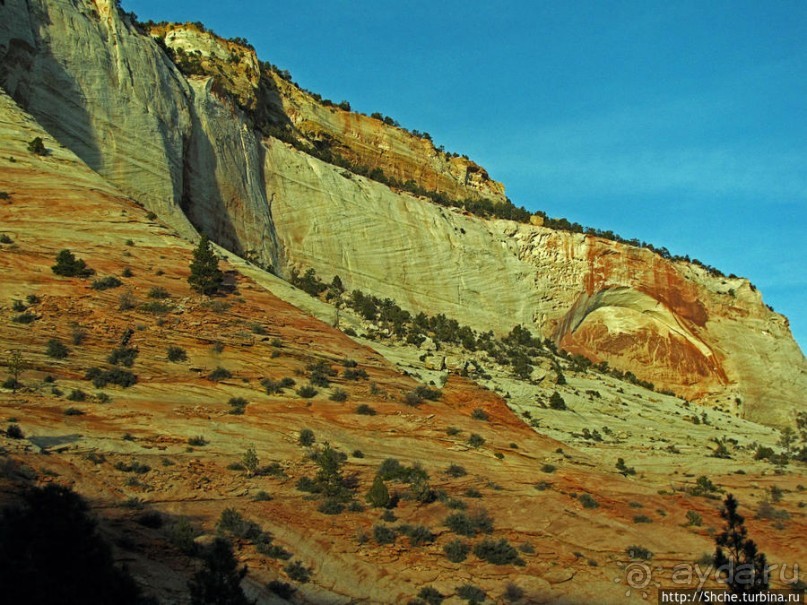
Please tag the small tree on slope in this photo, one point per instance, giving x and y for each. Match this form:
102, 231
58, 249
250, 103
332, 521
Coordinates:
742, 566
205, 275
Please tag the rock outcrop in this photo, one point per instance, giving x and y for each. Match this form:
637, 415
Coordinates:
197, 149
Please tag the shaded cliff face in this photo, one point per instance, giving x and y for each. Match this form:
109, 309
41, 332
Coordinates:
190, 147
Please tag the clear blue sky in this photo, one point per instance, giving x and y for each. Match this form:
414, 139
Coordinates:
680, 123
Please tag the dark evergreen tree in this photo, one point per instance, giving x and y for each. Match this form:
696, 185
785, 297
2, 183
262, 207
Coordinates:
205, 275
219, 581
51, 552
378, 495
743, 568
68, 265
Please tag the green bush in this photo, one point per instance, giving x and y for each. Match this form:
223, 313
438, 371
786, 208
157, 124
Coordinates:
331, 506
471, 593
471, 524
638, 552
176, 354
588, 501
123, 355
232, 522
307, 391
56, 349
430, 595
158, 293
338, 395
37, 146
642, 519
455, 470
384, 534
197, 441
24, 318
14, 432
74, 411
497, 552
556, 402
418, 534
694, 519
298, 572
306, 438
456, 551
67, 265
365, 410
378, 494
219, 374
101, 378
479, 414
549, 468
476, 440
237, 405
77, 395
106, 283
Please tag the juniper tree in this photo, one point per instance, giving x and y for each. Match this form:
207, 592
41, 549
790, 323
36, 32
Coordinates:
205, 277
743, 568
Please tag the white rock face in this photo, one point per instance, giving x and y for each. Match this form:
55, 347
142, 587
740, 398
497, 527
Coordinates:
104, 91
224, 173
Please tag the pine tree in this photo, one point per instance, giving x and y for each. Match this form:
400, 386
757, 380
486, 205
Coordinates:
742, 566
205, 275
220, 579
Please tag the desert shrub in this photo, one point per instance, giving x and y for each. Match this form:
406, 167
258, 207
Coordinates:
5, 239
472, 492
418, 534
331, 506
176, 354
624, 468
67, 265
694, 519
338, 395
456, 551
273, 551
37, 146
479, 414
24, 318
642, 519
197, 441
392, 470
77, 395
237, 405
123, 355
18, 306
282, 589
126, 301
476, 440
297, 572
549, 468
556, 402
354, 374
11, 383
156, 307
704, 487
14, 432
232, 522
158, 293
306, 438
56, 349
513, 593
384, 534
469, 524
365, 410
638, 552
498, 552
588, 501
73, 412
307, 391
451, 431
127, 272
219, 374
182, 535
455, 470
430, 595
101, 378
471, 593
106, 283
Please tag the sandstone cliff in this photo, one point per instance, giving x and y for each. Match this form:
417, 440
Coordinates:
198, 143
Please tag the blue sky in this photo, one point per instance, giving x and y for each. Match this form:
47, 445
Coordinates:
680, 123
